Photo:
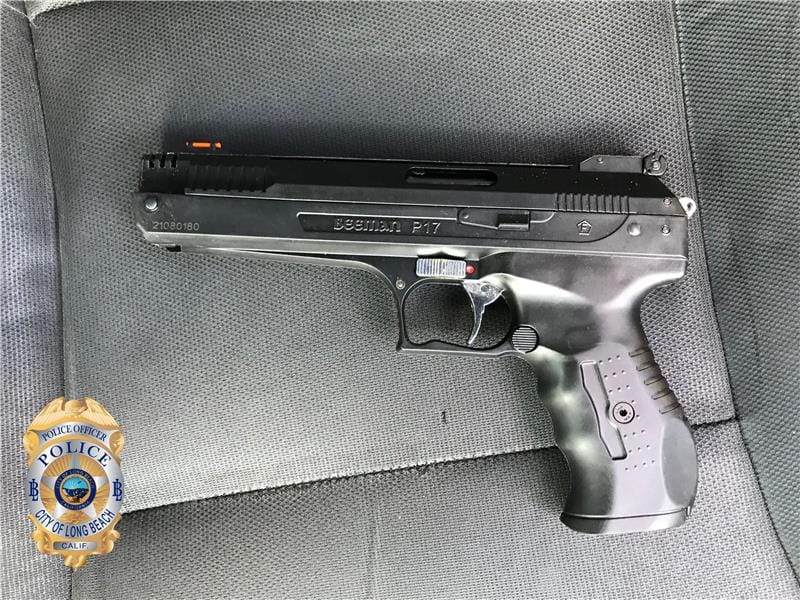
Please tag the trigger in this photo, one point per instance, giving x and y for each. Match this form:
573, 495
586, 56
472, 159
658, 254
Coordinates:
481, 294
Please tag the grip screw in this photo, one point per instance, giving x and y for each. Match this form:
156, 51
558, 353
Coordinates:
151, 204
623, 413
665, 229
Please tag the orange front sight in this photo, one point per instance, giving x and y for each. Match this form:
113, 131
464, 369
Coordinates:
205, 145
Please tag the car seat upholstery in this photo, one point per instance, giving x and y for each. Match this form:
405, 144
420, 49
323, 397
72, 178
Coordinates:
277, 445
31, 357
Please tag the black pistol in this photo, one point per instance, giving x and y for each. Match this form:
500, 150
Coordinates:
572, 250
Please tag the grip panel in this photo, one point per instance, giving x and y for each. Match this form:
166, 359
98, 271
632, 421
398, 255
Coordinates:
629, 448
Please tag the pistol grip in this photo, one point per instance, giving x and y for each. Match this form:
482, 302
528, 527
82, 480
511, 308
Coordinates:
630, 451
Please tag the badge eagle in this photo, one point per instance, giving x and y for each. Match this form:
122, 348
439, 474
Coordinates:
74, 485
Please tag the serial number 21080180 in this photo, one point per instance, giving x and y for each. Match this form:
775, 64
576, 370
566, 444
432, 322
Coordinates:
175, 226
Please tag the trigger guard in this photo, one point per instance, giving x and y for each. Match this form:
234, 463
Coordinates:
504, 348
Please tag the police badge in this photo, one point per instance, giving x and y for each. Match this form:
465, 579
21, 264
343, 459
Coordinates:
74, 482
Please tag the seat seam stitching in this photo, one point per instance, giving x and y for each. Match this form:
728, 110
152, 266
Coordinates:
424, 466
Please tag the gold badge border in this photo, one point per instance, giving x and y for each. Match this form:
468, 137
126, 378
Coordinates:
84, 410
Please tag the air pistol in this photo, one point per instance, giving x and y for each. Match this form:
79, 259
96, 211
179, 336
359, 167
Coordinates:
572, 250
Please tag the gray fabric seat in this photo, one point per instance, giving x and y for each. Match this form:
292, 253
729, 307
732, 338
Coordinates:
277, 445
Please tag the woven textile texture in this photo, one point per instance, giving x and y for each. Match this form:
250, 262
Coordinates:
30, 329
231, 374
742, 73
484, 528
236, 374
